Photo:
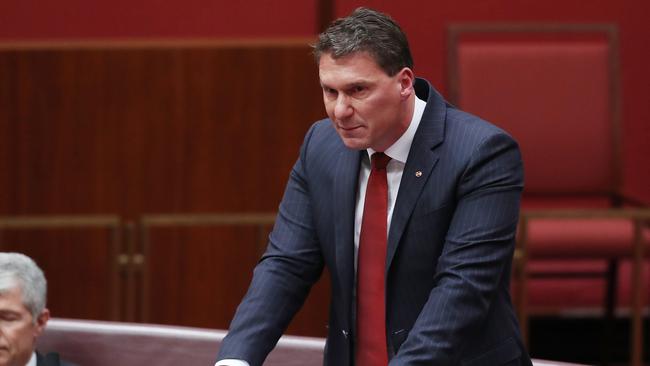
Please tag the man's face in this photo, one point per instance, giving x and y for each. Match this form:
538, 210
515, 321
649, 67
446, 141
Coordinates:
367, 107
18, 331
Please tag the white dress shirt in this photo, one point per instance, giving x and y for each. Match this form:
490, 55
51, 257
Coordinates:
398, 152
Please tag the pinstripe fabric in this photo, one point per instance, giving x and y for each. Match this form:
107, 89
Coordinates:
450, 246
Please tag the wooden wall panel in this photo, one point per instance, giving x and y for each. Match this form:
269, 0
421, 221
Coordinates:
205, 270
79, 266
133, 129
217, 261
152, 130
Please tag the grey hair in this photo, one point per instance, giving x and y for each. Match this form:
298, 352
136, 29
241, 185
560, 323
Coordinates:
367, 30
19, 271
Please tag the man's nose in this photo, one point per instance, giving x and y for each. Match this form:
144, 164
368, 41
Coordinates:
342, 109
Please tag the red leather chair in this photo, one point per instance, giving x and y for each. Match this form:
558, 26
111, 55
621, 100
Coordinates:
555, 89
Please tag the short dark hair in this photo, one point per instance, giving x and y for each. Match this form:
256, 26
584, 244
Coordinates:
367, 30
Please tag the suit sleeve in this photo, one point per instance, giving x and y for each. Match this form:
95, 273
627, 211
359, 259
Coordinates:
476, 255
283, 277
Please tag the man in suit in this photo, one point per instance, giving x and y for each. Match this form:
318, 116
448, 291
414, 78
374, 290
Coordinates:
23, 315
410, 203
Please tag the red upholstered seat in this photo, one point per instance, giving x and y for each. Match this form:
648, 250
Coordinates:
580, 238
575, 293
536, 202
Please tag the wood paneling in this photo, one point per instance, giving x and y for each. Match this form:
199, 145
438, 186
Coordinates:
78, 256
131, 129
78, 269
152, 130
207, 271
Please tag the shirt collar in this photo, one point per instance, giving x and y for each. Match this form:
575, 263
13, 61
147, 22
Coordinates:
32, 360
400, 149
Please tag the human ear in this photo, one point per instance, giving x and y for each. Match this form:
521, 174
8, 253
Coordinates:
41, 322
406, 80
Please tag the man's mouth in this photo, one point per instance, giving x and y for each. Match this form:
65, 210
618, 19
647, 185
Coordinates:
350, 128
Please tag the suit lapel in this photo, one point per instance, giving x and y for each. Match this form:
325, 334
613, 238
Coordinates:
344, 201
419, 166
51, 359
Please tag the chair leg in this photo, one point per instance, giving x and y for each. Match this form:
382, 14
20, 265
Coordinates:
610, 308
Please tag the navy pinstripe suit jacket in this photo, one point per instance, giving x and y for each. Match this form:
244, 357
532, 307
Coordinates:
450, 247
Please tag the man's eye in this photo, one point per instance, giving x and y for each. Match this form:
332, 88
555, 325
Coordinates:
9, 317
357, 89
330, 91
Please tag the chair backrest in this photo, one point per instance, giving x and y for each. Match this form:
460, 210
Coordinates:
555, 89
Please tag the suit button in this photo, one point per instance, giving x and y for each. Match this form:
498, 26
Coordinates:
345, 333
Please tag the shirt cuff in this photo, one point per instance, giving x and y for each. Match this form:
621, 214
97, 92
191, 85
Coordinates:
231, 362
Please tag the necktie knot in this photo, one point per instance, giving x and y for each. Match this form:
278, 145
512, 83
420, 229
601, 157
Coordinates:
379, 161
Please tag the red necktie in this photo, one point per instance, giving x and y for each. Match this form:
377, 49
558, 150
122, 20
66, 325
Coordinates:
371, 299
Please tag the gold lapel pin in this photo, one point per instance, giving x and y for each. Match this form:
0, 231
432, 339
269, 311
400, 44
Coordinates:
418, 173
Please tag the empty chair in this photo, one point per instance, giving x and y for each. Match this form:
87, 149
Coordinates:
555, 89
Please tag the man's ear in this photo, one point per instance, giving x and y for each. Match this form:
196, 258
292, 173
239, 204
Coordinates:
407, 80
41, 322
